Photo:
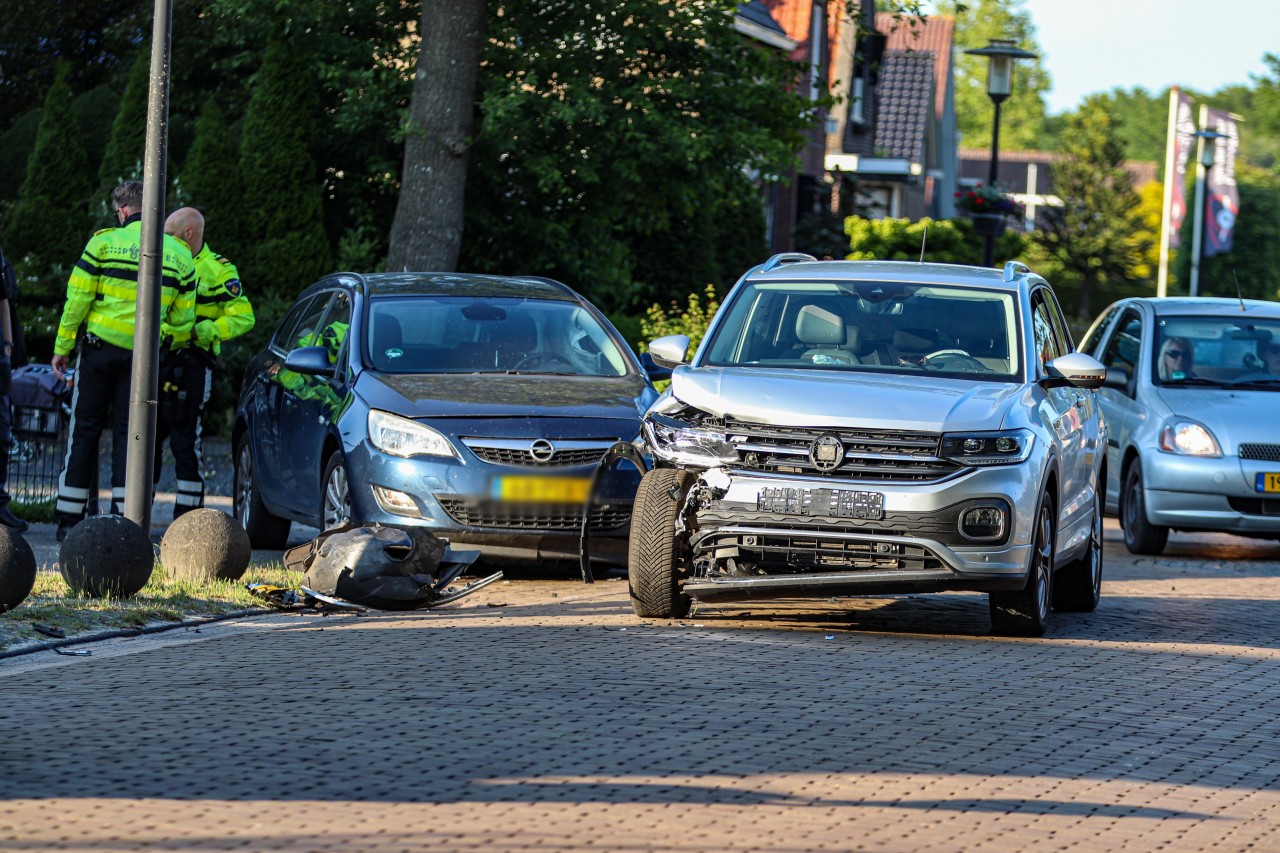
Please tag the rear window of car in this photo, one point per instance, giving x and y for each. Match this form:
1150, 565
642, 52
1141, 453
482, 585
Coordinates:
447, 334
873, 327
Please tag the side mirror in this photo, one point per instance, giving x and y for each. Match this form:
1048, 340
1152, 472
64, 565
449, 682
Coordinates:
309, 361
1077, 370
670, 351
656, 372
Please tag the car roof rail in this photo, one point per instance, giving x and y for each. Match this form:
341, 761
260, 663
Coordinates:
1013, 269
785, 258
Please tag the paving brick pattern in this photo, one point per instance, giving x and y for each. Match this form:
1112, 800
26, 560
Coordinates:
540, 715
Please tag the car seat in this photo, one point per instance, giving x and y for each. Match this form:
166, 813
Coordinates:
824, 334
517, 339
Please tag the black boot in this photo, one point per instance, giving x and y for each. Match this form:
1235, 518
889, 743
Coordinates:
8, 519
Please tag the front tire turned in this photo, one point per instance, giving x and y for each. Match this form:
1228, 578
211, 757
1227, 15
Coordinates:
656, 553
1025, 612
1140, 535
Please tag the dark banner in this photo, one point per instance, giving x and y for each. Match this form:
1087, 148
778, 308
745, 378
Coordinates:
1222, 198
1184, 125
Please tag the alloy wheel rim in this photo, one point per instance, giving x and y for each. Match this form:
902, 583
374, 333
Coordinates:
1095, 548
244, 485
1043, 549
337, 498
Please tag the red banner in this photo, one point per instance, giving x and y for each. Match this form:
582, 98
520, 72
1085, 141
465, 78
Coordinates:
1221, 197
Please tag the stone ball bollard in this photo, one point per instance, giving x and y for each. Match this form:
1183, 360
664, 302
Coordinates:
107, 555
205, 544
17, 569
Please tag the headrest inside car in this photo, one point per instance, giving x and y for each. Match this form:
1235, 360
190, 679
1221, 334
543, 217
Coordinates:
818, 326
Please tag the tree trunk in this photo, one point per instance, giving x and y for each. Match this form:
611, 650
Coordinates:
427, 231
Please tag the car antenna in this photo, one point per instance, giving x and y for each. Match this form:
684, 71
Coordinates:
924, 238
1238, 294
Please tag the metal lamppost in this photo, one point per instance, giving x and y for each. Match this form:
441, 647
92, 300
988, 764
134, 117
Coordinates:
1204, 162
1000, 54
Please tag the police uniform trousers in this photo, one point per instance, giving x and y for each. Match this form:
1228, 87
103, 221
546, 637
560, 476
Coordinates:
100, 396
179, 419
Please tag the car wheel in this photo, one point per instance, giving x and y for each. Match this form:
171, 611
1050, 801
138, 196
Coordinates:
1140, 536
656, 552
265, 529
335, 497
1077, 588
1025, 613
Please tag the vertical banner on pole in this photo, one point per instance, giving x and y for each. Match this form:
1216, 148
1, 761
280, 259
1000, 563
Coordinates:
1184, 125
1222, 198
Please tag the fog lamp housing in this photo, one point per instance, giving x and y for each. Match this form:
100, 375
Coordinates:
985, 522
396, 503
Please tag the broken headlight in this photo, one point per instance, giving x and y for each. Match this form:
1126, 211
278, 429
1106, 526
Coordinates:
684, 444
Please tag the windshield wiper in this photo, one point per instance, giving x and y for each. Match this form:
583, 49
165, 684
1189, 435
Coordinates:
1194, 380
1257, 383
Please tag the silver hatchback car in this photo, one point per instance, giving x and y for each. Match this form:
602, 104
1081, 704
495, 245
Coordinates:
1193, 399
854, 427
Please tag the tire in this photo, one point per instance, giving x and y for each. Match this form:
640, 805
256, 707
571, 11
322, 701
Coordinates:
265, 529
335, 493
1140, 536
656, 552
1025, 613
1077, 587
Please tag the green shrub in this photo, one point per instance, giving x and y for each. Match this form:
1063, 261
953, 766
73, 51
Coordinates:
692, 320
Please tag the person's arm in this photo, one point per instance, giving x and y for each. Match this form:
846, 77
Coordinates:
82, 287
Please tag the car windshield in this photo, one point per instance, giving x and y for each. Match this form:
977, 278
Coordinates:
965, 332
452, 334
1227, 352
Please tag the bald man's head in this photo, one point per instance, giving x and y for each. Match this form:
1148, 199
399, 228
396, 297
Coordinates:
187, 223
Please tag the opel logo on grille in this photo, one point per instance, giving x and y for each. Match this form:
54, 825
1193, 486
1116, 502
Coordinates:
542, 450
826, 453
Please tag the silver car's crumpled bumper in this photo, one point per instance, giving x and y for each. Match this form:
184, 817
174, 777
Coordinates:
743, 545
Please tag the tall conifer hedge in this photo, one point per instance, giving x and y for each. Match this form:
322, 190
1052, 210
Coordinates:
122, 160
210, 181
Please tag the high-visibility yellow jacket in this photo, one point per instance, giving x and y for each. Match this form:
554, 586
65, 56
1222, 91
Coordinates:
102, 292
220, 299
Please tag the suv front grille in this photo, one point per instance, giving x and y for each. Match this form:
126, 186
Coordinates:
869, 454
1265, 452
517, 516
782, 551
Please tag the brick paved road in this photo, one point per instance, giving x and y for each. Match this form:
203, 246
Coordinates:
558, 722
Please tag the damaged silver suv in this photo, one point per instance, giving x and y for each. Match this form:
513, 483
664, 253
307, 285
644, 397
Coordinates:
864, 427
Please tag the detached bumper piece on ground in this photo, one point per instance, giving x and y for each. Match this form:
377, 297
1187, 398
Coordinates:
384, 568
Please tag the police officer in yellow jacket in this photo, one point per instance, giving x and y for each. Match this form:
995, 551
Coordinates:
222, 312
102, 294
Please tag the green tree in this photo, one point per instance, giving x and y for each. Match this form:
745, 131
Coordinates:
1143, 121
122, 160
607, 126
1098, 234
1260, 105
49, 219
210, 181
1022, 115
282, 185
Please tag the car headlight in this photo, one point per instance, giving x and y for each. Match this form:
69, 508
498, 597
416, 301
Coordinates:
1006, 447
1188, 438
675, 441
403, 437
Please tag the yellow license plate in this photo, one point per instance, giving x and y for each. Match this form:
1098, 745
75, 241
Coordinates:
571, 490
1269, 482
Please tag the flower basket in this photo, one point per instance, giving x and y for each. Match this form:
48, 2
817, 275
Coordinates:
984, 200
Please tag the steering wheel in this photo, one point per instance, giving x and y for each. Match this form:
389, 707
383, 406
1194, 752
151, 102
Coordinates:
951, 358
535, 358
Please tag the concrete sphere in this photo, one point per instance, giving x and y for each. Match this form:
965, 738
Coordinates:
107, 555
17, 569
204, 544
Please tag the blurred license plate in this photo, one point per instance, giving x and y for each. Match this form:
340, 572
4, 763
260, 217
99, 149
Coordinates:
541, 489
1269, 482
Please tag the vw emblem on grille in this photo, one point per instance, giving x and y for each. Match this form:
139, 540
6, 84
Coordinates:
542, 450
826, 453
